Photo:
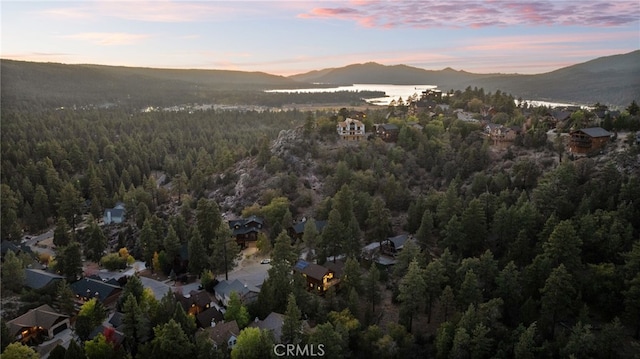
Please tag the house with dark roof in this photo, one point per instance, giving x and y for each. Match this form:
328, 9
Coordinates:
115, 214
194, 302
224, 335
247, 293
37, 325
388, 132
319, 278
393, 245
38, 278
588, 140
246, 230
273, 322
209, 317
88, 288
297, 230
6, 246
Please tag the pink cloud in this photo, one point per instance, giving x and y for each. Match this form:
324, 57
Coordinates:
473, 13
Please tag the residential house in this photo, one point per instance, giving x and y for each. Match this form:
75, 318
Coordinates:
194, 302
393, 245
246, 229
38, 278
351, 130
88, 288
247, 293
499, 133
318, 278
388, 132
588, 140
6, 246
224, 334
297, 230
273, 323
115, 214
209, 317
37, 325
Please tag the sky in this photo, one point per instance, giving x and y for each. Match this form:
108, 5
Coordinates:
291, 37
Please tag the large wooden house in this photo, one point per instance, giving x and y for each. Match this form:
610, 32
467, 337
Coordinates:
588, 140
246, 230
319, 278
351, 130
388, 132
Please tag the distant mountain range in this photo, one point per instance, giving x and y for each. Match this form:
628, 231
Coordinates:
613, 80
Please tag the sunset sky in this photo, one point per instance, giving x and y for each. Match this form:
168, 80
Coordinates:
289, 37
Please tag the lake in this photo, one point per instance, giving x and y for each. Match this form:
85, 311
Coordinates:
393, 92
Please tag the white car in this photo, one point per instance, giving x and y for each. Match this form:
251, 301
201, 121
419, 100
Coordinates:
265, 261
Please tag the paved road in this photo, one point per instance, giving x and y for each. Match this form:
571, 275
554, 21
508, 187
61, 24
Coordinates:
249, 270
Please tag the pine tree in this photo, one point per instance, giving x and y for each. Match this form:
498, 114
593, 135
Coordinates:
292, 325
12, 272
372, 288
378, 221
236, 311
434, 278
412, 287
557, 296
198, 259
171, 244
424, 233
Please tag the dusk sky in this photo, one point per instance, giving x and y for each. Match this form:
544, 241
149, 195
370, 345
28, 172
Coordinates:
290, 37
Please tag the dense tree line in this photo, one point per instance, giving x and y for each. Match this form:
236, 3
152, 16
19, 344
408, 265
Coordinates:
516, 255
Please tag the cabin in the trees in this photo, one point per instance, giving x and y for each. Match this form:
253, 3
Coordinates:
246, 230
319, 278
297, 230
37, 325
114, 215
388, 132
588, 140
351, 130
273, 323
393, 245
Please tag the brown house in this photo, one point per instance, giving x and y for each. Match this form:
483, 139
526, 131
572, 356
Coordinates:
37, 324
588, 140
319, 279
388, 132
246, 230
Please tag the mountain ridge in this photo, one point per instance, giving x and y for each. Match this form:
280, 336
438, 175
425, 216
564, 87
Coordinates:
612, 80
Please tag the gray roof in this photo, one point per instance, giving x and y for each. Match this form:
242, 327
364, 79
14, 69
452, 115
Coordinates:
90, 288
115, 212
272, 322
398, 241
596, 132
38, 278
224, 288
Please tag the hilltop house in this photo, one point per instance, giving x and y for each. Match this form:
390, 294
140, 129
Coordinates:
37, 324
588, 140
115, 214
246, 229
351, 130
318, 278
393, 245
388, 132
297, 230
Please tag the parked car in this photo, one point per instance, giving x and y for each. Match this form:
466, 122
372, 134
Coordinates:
265, 261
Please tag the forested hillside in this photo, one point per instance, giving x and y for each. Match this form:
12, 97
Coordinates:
520, 251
